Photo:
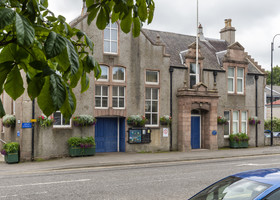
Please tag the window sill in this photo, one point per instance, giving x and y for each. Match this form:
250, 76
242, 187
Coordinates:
236, 94
62, 127
110, 54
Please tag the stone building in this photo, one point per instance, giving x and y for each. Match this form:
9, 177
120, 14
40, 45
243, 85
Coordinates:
154, 75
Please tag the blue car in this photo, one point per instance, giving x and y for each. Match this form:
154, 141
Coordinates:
250, 185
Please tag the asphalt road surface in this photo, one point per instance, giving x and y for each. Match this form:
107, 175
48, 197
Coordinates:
177, 180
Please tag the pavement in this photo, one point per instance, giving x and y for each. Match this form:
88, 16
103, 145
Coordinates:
125, 158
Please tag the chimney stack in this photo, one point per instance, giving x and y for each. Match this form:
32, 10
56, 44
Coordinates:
200, 33
228, 32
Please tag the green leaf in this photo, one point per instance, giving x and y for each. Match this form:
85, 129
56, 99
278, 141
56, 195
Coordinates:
25, 31
69, 106
57, 90
142, 10
72, 57
54, 44
44, 3
126, 22
93, 10
92, 64
74, 79
8, 53
114, 17
102, 19
151, 12
45, 99
7, 17
5, 69
14, 83
84, 82
2, 111
35, 86
136, 27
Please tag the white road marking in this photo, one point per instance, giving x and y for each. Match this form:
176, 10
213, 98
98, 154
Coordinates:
16, 195
47, 183
257, 164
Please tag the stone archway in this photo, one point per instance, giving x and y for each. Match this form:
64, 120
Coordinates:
204, 100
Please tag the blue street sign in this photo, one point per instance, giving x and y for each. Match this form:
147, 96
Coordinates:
18, 133
26, 125
214, 132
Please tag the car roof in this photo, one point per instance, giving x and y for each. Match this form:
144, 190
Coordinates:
269, 176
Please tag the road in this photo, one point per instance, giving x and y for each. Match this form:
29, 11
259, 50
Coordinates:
177, 180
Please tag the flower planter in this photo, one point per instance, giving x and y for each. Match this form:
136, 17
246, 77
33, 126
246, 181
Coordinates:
11, 158
242, 144
79, 151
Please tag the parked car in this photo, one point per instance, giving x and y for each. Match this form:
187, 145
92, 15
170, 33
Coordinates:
250, 185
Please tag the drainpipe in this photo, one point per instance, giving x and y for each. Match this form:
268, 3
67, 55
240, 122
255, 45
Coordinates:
171, 69
33, 124
256, 78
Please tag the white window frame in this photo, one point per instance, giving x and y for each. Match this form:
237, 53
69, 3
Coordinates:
235, 121
152, 83
244, 121
233, 80
118, 97
242, 80
102, 96
108, 72
229, 126
110, 40
62, 125
195, 74
123, 74
151, 100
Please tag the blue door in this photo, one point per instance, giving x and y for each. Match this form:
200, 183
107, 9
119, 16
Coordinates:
195, 132
107, 131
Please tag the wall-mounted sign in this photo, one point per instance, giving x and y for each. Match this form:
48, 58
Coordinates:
165, 132
26, 125
33, 120
214, 132
139, 135
18, 133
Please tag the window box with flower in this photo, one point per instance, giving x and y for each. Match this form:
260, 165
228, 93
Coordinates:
238, 140
81, 146
165, 120
45, 121
222, 120
9, 121
84, 120
254, 120
136, 120
11, 152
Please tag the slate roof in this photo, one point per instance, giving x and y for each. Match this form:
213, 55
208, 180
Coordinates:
213, 50
276, 91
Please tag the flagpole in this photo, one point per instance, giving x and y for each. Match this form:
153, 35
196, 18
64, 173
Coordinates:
196, 64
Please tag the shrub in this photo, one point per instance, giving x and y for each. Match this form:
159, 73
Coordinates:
84, 120
10, 147
136, 120
165, 120
275, 124
238, 137
84, 142
45, 121
222, 120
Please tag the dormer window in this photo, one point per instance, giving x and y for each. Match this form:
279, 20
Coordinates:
111, 38
236, 80
194, 74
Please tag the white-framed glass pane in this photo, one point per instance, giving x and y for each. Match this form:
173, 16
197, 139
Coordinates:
105, 102
106, 46
101, 98
115, 102
235, 115
104, 91
244, 116
151, 106
115, 91
240, 72
121, 91
192, 68
235, 127
151, 77
107, 34
243, 127
231, 72
97, 90
227, 126
244, 122
114, 47
97, 101
104, 73
239, 85
118, 97
57, 119
192, 80
230, 85
118, 73
114, 34
121, 102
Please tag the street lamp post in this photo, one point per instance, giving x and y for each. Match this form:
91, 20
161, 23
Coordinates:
271, 79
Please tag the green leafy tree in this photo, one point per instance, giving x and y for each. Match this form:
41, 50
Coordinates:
276, 76
51, 55
275, 124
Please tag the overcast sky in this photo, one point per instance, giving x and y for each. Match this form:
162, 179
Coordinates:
256, 22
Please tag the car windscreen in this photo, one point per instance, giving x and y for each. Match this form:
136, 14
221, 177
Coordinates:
232, 188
